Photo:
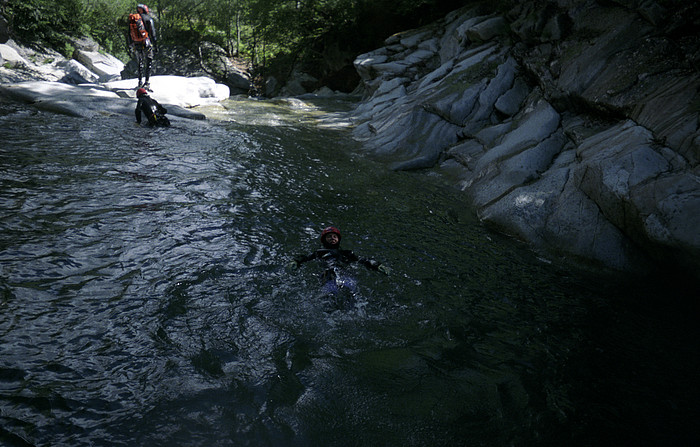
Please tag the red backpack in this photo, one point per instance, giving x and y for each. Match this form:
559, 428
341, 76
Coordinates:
137, 30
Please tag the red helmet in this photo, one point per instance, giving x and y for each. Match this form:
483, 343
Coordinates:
328, 230
140, 92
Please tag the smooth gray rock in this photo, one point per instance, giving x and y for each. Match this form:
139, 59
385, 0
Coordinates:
84, 43
466, 153
582, 137
509, 103
535, 126
642, 188
488, 29
497, 86
106, 66
77, 73
88, 101
518, 170
10, 56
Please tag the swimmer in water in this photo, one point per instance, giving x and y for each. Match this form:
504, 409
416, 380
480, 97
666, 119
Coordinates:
335, 258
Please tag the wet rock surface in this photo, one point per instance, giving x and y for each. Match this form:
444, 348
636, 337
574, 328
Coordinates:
573, 127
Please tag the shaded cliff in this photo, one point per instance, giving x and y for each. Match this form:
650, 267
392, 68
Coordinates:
572, 125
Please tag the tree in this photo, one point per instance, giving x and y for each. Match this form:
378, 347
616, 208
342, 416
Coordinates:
36, 21
105, 21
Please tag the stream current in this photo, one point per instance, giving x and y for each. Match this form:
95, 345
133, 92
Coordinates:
144, 300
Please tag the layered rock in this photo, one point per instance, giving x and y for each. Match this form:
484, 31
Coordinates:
567, 124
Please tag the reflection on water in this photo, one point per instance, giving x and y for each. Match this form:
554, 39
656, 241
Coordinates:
145, 301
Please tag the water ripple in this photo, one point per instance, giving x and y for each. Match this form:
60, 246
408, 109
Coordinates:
145, 301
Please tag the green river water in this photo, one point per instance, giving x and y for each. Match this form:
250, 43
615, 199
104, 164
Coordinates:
144, 300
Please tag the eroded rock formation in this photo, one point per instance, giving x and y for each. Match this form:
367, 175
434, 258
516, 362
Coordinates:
571, 125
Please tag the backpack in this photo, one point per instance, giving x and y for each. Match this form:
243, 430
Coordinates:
137, 30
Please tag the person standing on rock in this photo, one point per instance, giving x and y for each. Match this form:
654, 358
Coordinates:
141, 40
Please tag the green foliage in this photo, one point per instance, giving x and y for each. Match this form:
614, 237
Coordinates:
49, 21
68, 50
105, 21
261, 30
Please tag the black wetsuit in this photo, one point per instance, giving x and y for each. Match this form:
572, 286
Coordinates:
155, 113
336, 259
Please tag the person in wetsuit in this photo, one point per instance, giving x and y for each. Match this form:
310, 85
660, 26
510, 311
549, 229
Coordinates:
155, 113
336, 259
144, 49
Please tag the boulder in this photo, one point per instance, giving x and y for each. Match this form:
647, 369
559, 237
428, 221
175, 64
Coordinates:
10, 57
178, 90
77, 73
82, 91
85, 101
216, 62
63, 98
106, 66
84, 43
27, 64
364, 63
299, 83
238, 80
487, 29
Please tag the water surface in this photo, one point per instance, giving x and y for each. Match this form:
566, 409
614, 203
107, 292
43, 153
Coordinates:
144, 300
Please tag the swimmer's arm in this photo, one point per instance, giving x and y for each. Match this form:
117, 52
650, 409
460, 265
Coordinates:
296, 262
369, 263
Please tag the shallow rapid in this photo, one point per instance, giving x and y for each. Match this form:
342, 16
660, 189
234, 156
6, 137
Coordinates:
144, 300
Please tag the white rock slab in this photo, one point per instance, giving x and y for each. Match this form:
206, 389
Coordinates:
179, 90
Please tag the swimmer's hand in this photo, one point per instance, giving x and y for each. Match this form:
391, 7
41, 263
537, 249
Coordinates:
384, 269
292, 265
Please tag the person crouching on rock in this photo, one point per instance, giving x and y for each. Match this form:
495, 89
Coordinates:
155, 113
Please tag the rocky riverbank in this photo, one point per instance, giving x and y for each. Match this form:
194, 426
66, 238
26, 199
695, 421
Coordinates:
570, 125
90, 84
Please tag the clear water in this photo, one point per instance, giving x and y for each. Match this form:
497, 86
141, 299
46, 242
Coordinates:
144, 300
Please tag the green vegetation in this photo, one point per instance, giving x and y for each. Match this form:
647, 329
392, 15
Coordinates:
44, 21
262, 31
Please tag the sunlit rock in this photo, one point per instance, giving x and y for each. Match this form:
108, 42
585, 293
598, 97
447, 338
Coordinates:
178, 90
85, 101
106, 66
77, 73
10, 57
573, 128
